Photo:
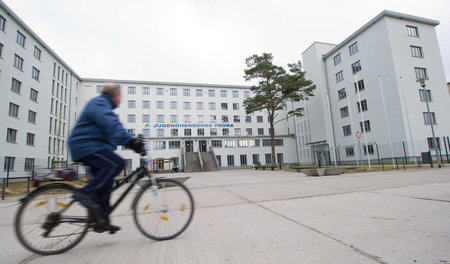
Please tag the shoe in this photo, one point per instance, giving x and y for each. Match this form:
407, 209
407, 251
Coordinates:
87, 200
100, 228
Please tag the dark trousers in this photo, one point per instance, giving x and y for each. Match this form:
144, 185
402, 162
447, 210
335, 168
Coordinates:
104, 165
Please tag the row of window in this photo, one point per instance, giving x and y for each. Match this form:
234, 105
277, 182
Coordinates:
57, 148
59, 75
255, 159
186, 92
186, 105
9, 163
348, 130
217, 143
131, 118
14, 112
160, 132
11, 136
56, 91
56, 127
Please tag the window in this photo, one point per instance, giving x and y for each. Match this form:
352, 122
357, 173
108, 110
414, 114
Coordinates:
13, 110
237, 131
32, 117
353, 48
235, 106
11, 135
212, 118
145, 118
370, 148
199, 92
200, 131
425, 95
174, 145
230, 160
257, 143
356, 67
347, 130
248, 119
159, 144
160, 132
131, 104
362, 105
416, 51
279, 142
173, 105
280, 158
29, 164
360, 86
212, 106
131, 118
146, 104
259, 119
187, 118
2, 23
344, 111
200, 118
173, 91
213, 132
186, 92
186, 105
211, 93
159, 104
131, 90
237, 119
246, 94
223, 93
199, 105
174, 119
255, 158
187, 132
1, 49
429, 118
174, 132
412, 31
342, 93
33, 95
266, 143
20, 39
337, 59
35, 75
229, 143
224, 119
146, 132
216, 143
421, 73
18, 62
366, 126
431, 144
339, 76
37, 53
225, 132
159, 91
146, 90
30, 139
159, 118
260, 131
243, 159
349, 152
224, 106
235, 94
249, 131
9, 163
268, 158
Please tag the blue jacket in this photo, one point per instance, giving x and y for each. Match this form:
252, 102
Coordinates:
98, 128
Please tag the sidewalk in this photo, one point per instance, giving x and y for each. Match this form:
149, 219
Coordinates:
248, 216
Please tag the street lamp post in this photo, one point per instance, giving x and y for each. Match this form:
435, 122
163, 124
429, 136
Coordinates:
430, 119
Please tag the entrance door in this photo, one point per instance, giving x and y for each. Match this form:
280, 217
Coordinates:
189, 146
202, 145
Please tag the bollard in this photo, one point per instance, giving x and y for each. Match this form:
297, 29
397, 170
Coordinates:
3, 188
28, 185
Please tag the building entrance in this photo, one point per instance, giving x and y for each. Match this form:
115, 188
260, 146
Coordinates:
202, 145
189, 144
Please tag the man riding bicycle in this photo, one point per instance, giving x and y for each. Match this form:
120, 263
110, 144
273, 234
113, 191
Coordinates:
93, 140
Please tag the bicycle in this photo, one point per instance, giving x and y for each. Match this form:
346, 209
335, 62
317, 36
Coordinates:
162, 209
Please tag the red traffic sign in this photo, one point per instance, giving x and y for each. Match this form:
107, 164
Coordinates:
358, 134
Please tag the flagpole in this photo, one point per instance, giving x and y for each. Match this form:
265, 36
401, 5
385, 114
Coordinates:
332, 136
387, 122
352, 127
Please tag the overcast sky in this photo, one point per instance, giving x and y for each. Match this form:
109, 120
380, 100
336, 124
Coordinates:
202, 41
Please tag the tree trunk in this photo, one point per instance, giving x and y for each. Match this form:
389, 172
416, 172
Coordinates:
272, 139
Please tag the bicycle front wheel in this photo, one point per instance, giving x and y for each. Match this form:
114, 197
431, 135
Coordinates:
49, 221
164, 211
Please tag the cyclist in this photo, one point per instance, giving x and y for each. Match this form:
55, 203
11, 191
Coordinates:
93, 140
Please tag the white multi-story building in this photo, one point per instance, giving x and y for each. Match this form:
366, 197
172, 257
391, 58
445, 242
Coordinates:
384, 57
41, 96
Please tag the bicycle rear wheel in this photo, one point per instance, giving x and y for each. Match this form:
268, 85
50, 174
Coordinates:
49, 221
163, 212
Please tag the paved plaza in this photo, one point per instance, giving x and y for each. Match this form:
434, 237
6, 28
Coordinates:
248, 216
